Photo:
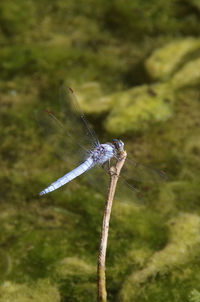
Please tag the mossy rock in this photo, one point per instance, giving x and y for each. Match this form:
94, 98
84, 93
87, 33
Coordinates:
42, 290
77, 279
194, 296
182, 248
92, 99
165, 60
140, 107
73, 266
188, 75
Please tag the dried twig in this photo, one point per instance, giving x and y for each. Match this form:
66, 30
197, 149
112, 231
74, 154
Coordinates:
114, 174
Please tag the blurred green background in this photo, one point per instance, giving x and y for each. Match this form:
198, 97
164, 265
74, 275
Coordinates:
135, 66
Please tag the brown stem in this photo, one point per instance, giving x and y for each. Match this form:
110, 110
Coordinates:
114, 174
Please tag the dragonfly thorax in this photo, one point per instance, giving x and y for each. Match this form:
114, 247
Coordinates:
102, 153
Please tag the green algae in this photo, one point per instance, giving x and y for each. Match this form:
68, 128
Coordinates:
74, 271
136, 109
67, 223
194, 296
43, 290
92, 98
49, 245
182, 243
188, 75
165, 60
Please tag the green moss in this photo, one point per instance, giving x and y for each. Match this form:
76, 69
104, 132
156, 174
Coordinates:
92, 99
188, 75
165, 60
15, 15
42, 290
194, 296
76, 279
181, 247
138, 108
101, 49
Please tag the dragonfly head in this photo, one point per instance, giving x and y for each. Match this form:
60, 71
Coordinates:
119, 145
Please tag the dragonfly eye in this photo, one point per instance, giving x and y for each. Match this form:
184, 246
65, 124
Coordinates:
119, 145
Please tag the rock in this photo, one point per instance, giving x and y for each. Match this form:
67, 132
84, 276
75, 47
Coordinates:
189, 75
139, 107
182, 246
91, 99
164, 61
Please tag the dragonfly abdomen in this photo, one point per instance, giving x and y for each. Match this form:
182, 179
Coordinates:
69, 176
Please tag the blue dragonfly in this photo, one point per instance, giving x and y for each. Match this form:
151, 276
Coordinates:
75, 139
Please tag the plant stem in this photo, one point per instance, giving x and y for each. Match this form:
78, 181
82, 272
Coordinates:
114, 175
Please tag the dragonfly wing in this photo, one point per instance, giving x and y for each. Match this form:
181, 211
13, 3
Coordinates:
98, 179
71, 136
76, 120
133, 171
60, 138
134, 180
128, 192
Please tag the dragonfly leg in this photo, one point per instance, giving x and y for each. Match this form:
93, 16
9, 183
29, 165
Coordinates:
111, 169
106, 166
117, 158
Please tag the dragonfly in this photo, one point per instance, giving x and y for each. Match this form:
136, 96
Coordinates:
76, 141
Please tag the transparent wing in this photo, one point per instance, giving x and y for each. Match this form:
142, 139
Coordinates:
132, 184
133, 171
60, 137
98, 179
127, 192
71, 136
76, 120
